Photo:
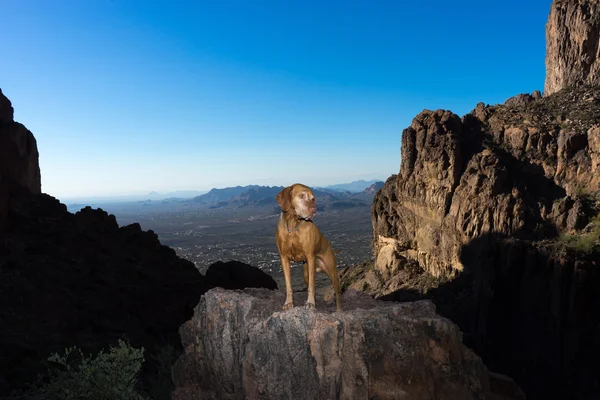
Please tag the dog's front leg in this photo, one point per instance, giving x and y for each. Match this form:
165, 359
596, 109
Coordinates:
311, 264
287, 275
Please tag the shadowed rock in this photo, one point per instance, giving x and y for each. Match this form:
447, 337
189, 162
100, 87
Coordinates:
493, 212
80, 280
76, 279
237, 275
239, 345
19, 166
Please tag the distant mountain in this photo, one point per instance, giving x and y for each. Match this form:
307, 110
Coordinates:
154, 196
374, 188
353, 187
255, 195
216, 195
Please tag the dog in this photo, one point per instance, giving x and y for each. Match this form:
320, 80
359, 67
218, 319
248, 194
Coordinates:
298, 239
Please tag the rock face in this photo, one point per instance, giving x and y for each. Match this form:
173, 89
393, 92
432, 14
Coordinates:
572, 44
502, 169
19, 166
239, 345
237, 275
494, 216
502, 181
80, 279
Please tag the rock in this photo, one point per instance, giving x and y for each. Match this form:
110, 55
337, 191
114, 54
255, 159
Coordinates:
19, 165
572, 44
481, 203
239, 345
6, 109
498, 169
432, 160
80, 280
512, 171
570, 214
522, 99
238, 275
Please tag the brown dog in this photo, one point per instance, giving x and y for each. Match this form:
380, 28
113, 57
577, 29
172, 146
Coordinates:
299, 239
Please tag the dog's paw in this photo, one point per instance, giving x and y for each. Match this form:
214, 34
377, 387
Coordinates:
309, 306
287, 306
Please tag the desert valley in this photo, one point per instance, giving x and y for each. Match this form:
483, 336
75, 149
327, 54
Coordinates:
222, 225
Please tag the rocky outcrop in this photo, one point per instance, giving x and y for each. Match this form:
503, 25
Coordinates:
494, 216
239, 345
235, 275
572, 44
527, 169
80, 280
517, 182
518, 178
19, 166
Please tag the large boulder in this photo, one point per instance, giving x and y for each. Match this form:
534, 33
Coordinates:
237, 275
240, 345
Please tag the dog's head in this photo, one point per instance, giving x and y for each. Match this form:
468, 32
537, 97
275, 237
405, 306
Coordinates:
299, 199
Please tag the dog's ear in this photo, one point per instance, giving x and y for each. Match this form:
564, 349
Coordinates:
284, 198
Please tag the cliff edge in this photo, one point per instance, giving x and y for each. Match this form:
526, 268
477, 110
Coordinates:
572, 44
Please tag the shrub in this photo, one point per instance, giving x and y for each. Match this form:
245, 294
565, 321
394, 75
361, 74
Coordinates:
584, 242
109, 375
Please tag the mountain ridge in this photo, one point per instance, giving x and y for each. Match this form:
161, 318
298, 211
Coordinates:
257, 195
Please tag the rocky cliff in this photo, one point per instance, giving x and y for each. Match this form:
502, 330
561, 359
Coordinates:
572, 44
19, 167
494, 215
527, 168
507, 196
239, 345
80, 279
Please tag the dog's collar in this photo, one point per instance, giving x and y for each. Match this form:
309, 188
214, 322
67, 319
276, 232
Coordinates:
295, 228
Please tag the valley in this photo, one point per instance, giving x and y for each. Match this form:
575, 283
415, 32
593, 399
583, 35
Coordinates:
204, 235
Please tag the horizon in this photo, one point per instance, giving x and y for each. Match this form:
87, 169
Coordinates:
142, 196
132, 97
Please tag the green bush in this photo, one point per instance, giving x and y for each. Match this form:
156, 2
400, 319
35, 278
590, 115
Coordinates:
584, 242
110, 375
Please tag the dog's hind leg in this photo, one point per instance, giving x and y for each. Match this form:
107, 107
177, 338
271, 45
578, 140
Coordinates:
305, 265
328, 263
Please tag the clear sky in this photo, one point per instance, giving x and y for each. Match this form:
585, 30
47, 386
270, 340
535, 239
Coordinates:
137, 96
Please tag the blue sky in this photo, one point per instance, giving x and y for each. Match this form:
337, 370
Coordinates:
137, 96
